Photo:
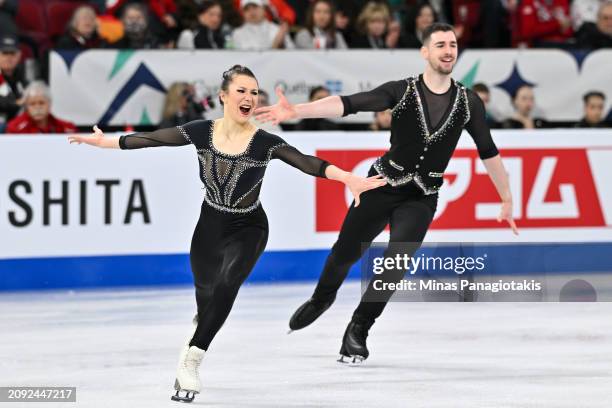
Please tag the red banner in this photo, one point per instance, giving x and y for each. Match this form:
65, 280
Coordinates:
551, 188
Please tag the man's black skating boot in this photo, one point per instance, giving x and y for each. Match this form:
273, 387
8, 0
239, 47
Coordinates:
354, 349
309, 312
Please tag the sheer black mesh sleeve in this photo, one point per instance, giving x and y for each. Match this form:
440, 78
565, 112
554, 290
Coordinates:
479, 129
308, 164
161, 137
384, 97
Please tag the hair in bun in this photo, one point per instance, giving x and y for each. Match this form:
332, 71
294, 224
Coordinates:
228, 76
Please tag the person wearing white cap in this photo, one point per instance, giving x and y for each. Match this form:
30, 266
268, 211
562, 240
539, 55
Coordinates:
257, 33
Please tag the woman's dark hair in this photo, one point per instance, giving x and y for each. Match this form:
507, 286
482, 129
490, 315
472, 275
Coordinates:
206, 5
517, 90
413, 13
331, 27
230, 74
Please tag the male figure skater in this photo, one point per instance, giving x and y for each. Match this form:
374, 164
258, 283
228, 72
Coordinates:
429, 113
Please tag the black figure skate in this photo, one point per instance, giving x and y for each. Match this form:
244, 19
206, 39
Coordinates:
308, 313
354, 350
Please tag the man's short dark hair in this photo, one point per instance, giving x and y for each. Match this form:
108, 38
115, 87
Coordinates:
480, 87
592, 94
434, 28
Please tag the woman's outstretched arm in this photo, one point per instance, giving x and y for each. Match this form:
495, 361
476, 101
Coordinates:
314, 166
161, 137
96, 139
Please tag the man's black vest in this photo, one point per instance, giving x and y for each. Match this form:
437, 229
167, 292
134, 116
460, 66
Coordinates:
419, 153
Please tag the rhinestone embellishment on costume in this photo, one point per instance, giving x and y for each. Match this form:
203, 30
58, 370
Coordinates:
411, 103
460, 97
404, 179
221, 173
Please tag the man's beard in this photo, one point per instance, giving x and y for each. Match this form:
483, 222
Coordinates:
441, 70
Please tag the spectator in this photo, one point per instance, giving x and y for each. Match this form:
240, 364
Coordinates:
494, 22
208, 34
594, 102
12, 79
264, 100
82, 31
382, 120
584, 11
8, 11
162, 11
275, 10
136, 29
257, 33
376, 28
595, 36
37, 117
443, 10
540, 23
523, 102
483, 92
344, 26
418, 20
320, 31
180, 106
316, 93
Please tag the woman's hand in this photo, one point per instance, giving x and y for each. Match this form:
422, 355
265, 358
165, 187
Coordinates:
277, 113
97, 139
506, 214
358, 184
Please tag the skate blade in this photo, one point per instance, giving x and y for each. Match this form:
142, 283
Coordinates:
290, 331
351, 361
189, 396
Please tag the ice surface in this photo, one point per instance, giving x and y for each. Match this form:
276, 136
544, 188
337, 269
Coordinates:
119, 348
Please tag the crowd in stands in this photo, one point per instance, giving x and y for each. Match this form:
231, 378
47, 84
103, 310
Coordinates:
30, 28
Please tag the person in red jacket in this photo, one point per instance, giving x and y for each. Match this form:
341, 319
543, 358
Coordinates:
539, 22
37, 117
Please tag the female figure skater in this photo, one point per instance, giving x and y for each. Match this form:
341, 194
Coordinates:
232, 230
429, 113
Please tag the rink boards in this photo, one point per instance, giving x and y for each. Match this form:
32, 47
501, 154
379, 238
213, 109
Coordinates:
74, 216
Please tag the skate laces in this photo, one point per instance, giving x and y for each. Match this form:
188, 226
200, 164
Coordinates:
192, 364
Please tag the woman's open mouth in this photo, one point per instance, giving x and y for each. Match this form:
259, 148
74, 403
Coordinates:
245, 109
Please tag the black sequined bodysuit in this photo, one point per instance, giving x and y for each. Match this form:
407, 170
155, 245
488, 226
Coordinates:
232, 230
232, 181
